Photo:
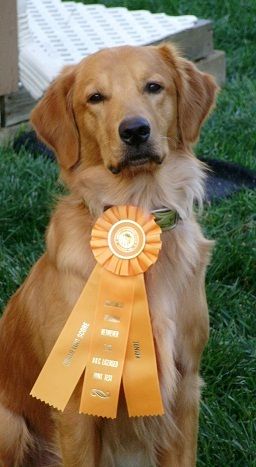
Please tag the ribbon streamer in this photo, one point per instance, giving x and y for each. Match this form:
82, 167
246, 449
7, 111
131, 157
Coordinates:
109, 330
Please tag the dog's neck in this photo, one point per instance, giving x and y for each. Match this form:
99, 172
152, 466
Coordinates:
175, 185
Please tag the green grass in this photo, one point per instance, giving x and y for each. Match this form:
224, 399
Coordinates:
28, 188
228, 415
26, 191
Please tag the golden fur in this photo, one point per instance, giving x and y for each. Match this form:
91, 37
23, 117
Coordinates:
85, 138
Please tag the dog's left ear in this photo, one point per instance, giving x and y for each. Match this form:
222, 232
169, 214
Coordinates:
53, 119
196, 94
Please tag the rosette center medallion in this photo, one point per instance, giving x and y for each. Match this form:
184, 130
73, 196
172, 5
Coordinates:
126, 239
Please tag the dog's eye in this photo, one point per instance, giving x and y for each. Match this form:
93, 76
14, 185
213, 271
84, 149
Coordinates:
96, 98
153, 88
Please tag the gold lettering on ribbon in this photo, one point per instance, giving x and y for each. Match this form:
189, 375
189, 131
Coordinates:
102, 376
96, 360
109, 332
105, 362
97, 375
76, 342
112, 318
108, 378
112, 363
108, 347
114, 304
136, 349
100, 393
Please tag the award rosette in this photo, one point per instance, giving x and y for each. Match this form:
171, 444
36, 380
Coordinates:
108, 333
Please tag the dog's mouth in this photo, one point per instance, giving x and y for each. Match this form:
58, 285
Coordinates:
137, 160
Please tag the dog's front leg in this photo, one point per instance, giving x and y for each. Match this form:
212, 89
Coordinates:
191, 337
78, 441
182, 452
78, 438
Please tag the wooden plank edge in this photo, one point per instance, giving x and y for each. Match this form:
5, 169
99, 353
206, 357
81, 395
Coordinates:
215, 64
193, 43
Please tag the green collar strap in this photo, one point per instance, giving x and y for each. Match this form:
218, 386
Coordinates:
166, 218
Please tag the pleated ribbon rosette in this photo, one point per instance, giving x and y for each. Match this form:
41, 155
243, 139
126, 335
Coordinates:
108, 333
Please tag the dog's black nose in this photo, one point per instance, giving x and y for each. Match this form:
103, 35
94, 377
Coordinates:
134, 131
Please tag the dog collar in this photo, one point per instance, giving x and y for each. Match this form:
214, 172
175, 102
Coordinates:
166, 218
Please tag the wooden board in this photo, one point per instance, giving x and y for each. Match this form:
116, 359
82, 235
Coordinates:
215, 64
8, 47
194, 43
18, 106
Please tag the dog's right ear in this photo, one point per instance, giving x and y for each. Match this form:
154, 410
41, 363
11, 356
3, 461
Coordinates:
196, 94
54, 122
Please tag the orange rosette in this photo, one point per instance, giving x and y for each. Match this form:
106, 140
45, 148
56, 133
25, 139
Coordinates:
108, 334
125, 240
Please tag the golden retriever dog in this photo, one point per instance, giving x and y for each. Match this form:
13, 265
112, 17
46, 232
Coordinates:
122, 124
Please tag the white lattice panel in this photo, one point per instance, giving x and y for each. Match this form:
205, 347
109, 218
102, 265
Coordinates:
53, 34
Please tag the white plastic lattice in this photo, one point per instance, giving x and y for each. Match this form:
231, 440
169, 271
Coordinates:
53, 34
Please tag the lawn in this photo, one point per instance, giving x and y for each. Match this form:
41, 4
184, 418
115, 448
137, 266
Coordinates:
28, 190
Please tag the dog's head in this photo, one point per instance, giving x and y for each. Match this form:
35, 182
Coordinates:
127, 108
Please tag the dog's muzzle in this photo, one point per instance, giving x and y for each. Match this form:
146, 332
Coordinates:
138, 149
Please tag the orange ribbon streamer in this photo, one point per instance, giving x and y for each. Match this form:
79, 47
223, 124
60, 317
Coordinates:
109, 341
109, 330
